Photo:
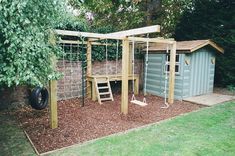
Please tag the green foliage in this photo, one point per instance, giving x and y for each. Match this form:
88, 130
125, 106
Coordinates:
231, 88
25, 51
170, 14
118, 14
213, 19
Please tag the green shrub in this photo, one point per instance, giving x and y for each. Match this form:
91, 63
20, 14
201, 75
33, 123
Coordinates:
25, 51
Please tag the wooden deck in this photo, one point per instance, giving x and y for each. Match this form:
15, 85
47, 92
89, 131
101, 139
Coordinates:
91, 91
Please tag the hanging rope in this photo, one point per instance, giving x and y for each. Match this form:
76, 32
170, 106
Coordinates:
106, 57
146, 68
133, 70
117, 60
166, 77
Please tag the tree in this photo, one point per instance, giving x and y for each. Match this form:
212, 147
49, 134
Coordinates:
25, 51
213, 19
116, 15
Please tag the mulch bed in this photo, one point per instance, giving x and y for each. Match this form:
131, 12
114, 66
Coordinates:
79, 124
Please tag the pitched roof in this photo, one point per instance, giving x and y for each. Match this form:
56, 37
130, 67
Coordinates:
186, 46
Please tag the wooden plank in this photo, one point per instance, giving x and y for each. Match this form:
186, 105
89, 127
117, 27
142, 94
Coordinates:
89, 67
86, 34
53, 104
125, 63
53, 89
137, 31
85, 42
172, 74
116, 35
151, 40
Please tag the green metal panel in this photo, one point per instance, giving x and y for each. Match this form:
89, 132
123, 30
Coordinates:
156, 76
202, 72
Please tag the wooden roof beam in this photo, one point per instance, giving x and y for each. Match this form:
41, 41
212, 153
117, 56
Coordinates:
153, 40
116, 35
137, 31
86, 34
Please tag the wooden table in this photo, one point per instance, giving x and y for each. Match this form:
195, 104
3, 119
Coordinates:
91, 90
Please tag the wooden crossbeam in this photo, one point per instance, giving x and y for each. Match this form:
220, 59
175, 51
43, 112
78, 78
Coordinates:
86, 34
137, 31
85, 42
116, 35
153, 40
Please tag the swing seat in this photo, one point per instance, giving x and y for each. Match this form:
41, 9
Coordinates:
140, 103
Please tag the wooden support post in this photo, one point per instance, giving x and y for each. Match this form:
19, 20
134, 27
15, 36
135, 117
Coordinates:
89, 67
172, 74
125, 64
53, 104
130, 59
53, 88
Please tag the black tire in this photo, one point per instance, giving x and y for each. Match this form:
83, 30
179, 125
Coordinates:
39, 98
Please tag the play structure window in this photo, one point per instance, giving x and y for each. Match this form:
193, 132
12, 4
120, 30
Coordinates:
177, 63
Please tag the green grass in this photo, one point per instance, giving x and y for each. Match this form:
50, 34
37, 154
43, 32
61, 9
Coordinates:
210, 131
13, 141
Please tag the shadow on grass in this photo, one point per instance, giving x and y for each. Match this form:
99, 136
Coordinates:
13, 141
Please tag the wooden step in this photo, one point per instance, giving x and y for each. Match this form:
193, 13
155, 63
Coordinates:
102, 82
104, 93
106, 99
103, 87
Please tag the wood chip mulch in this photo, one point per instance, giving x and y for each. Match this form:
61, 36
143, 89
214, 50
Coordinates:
79, 124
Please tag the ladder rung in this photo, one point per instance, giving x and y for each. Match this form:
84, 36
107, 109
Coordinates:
105, 99
100, 82
104, 93
103, 87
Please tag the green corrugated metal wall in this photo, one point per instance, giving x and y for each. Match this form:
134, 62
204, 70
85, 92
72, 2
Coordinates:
202, 72
194, 79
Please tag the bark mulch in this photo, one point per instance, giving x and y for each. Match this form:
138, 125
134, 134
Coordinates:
79, 124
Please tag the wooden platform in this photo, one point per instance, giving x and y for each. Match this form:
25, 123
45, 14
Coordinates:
91, 90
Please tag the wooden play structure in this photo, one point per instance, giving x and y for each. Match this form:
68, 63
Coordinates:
95, 83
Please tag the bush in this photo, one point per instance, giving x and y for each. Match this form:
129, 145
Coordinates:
25, 51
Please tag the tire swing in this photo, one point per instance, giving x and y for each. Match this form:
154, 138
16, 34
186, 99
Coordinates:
39, 98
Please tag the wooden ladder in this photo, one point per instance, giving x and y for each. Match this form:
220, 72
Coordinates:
103, 89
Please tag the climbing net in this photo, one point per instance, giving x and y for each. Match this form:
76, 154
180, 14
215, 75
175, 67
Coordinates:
73, 67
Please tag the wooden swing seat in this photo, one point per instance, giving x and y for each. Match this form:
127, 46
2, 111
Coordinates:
140, 103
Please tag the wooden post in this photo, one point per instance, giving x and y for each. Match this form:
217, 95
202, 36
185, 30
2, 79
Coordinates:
53, 89
125, 64
89, 67
172, 74
53, 104
130, 59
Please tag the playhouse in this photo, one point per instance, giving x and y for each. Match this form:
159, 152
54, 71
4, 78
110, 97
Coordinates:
194, 68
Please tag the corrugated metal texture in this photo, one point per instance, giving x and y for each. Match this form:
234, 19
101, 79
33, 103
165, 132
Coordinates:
155, 83
202, 72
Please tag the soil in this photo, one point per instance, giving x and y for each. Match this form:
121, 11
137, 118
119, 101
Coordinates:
79, 124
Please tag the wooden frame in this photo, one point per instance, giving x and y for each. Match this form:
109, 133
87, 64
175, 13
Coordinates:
124, 36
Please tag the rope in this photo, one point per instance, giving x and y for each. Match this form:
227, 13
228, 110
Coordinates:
133, 70
106, 57
166, 77
146, 68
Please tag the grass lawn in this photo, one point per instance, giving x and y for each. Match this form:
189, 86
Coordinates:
13, 141
210, 131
